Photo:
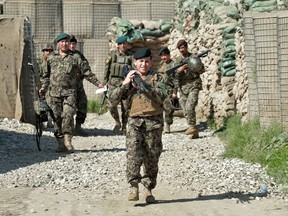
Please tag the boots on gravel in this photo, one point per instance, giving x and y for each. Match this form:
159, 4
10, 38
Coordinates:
149, 198
134, 192
68, 143
117, 126
78, 131
193, 131
61, 146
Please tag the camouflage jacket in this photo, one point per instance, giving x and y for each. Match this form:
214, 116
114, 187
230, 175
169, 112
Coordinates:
61, 74
157, 93
42, 64
187, 80
114, 65
169, 80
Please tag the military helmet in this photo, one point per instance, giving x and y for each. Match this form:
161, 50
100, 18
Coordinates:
195, 64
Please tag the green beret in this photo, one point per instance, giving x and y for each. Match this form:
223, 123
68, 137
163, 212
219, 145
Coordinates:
164, 50
142, 53
73, 38
47, 46
62, 36
121, 39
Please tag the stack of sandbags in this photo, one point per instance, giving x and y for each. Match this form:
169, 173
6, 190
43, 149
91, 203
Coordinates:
216, 31
142, 33
228, 60
261, 5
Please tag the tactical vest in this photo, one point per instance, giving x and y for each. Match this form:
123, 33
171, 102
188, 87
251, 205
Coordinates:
142, 106
118, 62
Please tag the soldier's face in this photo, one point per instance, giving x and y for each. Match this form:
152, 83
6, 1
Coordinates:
143, 65
63, 45
165, 57
183, 50
122, 47
73, 46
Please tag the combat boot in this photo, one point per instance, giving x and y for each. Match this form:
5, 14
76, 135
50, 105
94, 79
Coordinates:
134, 192
117, 126
78, 131
61, 146
166, 128
149, 198
68, 143
123, 129
193, 131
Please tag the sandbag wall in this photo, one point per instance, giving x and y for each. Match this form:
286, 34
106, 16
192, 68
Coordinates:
213, 26
217, 25
141, 33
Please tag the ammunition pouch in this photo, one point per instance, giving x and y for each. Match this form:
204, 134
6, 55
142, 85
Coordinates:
119, 65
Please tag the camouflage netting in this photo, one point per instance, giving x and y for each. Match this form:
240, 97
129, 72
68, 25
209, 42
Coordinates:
141, 33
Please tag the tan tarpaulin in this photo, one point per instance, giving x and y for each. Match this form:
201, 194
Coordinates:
17, 85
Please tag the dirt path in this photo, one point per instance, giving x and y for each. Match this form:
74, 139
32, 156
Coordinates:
26, 201
29, 201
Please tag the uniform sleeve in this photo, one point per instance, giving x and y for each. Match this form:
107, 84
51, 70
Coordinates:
88, 74
117, 94
107, 68
45, 78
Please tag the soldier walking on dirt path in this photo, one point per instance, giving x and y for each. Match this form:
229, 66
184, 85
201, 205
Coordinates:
145, 124
165, 64
59, 85
188, 83
81, 99
115, 65
42, 65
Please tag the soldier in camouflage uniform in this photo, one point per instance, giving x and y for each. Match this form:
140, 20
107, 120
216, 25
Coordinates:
115, 65
81, 100
42, 65
59, 84
145, 124
189, 84
165, 64
42, 61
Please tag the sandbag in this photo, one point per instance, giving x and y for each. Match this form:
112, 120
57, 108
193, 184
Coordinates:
264, 3
265, 9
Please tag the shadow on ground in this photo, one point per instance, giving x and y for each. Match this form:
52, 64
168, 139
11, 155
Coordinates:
241, 198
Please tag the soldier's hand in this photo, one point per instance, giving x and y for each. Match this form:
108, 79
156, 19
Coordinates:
100, 85
182, 68
174, 95
128, 79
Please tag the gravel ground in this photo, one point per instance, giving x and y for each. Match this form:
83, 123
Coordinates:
98, 163
92, 180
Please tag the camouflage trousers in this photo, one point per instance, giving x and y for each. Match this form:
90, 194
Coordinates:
81, 104
188, 103
144, 147
115, 113
64, 111
168, 111
113, 109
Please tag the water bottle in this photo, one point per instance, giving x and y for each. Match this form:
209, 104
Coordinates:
264, 188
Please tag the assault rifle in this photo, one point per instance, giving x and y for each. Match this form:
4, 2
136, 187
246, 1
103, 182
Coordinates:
41, 112
102, 102
191, 61
140, 84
